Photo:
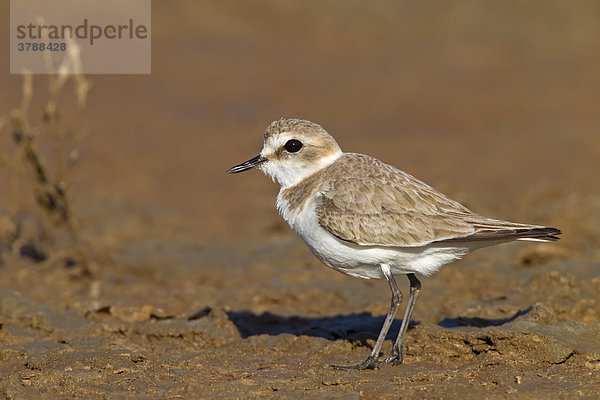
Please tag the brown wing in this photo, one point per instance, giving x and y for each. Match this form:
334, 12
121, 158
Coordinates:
379, 205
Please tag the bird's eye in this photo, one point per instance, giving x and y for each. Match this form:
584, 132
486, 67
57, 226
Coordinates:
293, 145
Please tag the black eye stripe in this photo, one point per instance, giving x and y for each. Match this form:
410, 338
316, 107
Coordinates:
293, 145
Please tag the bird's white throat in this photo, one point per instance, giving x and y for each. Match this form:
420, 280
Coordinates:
290, 172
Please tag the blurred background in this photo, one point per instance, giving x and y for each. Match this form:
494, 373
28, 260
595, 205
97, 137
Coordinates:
491, 102
496, 104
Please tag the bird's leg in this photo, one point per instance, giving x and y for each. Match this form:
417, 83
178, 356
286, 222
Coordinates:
396, 355
371, 360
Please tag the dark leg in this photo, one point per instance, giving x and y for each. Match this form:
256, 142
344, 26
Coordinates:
396, 355
371, 361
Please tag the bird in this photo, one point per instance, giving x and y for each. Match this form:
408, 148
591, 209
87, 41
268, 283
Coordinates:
370, 220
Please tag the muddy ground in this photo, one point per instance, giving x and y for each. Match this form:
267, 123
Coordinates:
196, 286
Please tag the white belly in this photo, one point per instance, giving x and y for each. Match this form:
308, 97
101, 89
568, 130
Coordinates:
365, 261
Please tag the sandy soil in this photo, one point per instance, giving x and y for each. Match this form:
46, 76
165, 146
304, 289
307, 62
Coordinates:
199, 289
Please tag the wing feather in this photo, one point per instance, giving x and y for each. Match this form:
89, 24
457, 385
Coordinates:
379, 205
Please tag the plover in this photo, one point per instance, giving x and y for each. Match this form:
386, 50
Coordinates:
368, 219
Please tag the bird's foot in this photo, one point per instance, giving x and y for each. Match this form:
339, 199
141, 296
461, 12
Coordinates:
395, 358
369, 363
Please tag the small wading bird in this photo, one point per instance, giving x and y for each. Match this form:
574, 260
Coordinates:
368, 219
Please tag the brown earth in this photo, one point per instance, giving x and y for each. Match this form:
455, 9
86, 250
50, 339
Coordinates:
199, 289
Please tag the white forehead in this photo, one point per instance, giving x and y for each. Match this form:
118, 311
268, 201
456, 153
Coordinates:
275, 142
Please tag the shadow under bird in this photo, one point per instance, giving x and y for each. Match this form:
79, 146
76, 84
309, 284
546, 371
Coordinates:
368, 219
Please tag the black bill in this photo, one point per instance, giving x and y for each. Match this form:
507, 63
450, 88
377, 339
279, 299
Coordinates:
253, 162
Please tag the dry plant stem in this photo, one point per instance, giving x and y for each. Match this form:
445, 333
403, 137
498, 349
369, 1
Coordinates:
82, 87
51, 120
48, 195
51, 194
21, 113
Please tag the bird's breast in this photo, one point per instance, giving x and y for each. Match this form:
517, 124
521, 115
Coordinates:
344, 257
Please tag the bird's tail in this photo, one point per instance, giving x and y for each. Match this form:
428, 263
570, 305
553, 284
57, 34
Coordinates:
492, 230
545, 234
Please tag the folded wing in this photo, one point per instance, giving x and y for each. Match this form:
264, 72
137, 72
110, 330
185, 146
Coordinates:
379, 205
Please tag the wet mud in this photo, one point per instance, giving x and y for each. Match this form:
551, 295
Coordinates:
198, 289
